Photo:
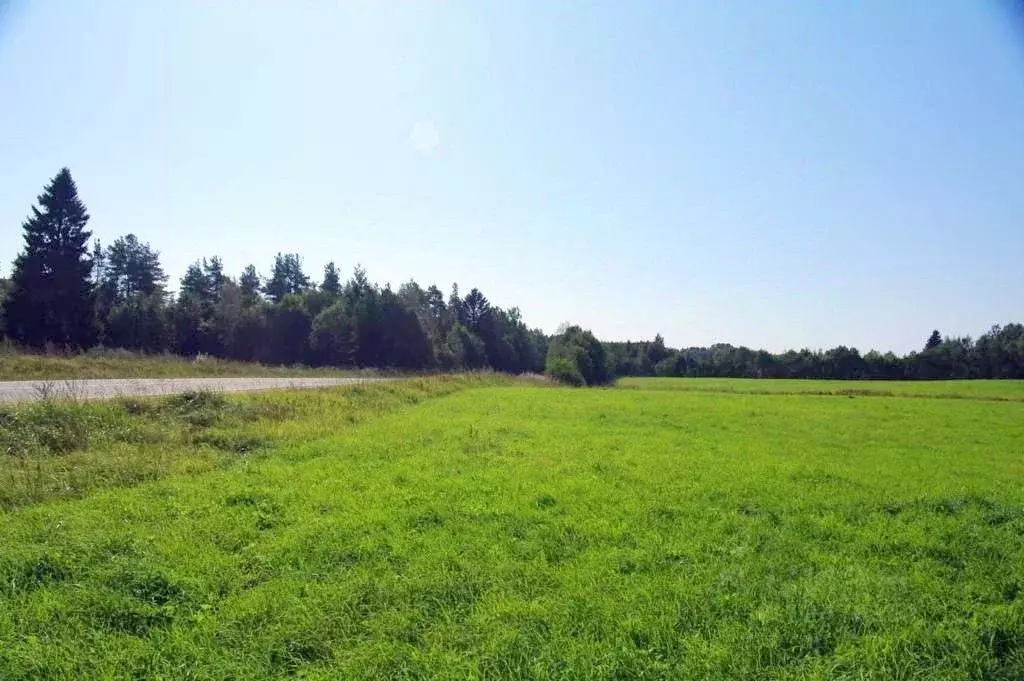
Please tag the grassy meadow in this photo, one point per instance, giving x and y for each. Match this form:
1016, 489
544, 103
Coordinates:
479, 527
1000, 391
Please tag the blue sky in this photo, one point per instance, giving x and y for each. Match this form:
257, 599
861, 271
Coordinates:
785, 174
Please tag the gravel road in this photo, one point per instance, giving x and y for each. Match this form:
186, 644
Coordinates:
20, 391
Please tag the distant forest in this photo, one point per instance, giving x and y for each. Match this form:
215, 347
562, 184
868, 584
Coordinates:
68, 293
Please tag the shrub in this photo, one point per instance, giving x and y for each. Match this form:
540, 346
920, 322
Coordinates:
576, 357
564, 370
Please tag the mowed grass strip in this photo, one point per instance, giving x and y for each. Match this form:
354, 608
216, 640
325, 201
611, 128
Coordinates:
994, 390
520, 532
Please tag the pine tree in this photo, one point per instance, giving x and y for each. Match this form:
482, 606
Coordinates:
657, 351
934, 340
249, 283
194, 288
99, 262
455, 305
51, 300
332, 280
130, 268
435, 303
214, 271
193, 314
287, 277
358, 287
129, 294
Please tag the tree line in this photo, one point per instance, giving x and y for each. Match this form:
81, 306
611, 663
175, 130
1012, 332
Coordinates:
69, 293
66, 294
575, 357
997, 353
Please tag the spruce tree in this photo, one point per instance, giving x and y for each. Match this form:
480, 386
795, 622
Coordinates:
474, 308
51, 298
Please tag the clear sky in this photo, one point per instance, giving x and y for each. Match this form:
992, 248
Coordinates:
775, 174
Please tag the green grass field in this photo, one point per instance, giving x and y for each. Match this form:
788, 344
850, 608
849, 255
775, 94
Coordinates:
483, 528
1010, 391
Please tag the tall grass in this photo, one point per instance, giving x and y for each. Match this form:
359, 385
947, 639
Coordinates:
58, 448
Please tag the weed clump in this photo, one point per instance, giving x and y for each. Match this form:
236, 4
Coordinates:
34, 573
44, 428
133, 406
293, 654
545, 501
152, 589
197, 408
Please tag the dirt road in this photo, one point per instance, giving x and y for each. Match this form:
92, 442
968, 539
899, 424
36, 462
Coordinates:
20, 391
